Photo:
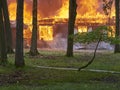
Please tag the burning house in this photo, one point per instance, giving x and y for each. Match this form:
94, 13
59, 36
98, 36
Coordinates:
53, 18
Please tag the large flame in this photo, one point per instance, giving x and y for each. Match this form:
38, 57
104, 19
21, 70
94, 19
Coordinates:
45, 33
88, 11
63, 12
27, 12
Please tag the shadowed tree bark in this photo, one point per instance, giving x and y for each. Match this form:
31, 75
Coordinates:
7, 27
33, 48
117, 31
71, 22
19, 59
3, 53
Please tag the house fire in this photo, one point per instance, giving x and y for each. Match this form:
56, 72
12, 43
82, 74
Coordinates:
53, 19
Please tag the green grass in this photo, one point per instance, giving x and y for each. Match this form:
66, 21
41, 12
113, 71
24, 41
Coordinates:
66, 86
45, 79
33, 78
104, 60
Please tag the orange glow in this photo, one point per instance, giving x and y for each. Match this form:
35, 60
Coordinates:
45, 33
88, 11
64, 10
12, 13
82, 29
27, 33
112, 33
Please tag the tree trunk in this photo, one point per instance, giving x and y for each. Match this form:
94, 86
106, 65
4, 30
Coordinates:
19, 59
33, 48
3, 53
117, 34
7, 27
71, 22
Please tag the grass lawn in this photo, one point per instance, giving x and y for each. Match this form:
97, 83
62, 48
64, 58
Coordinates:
104, 60
33, 78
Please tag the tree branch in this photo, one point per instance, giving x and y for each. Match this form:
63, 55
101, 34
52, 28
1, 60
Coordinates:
92, 57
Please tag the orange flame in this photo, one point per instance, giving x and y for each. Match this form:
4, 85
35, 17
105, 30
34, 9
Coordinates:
46, 33
88, 10
12, 13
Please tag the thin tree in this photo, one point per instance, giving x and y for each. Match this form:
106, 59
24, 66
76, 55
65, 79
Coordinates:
71, 22
3, 53
33, 48
117, 31
7, 27
19, 59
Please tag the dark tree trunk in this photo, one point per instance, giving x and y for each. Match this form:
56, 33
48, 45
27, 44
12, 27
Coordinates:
3, 53
7, 27
117, 34
71, 22
33, 48
19, 59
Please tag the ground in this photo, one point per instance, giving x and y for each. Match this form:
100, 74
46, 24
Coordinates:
35, 78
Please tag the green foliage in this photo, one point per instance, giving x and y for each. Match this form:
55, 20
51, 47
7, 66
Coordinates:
115, 40
93, 36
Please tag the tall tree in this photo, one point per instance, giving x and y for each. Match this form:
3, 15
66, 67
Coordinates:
33, 48
3, 53
7, 27
71, 22
19, 59
117, 33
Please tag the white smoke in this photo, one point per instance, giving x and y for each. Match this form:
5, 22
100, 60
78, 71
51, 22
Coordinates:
58, 42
